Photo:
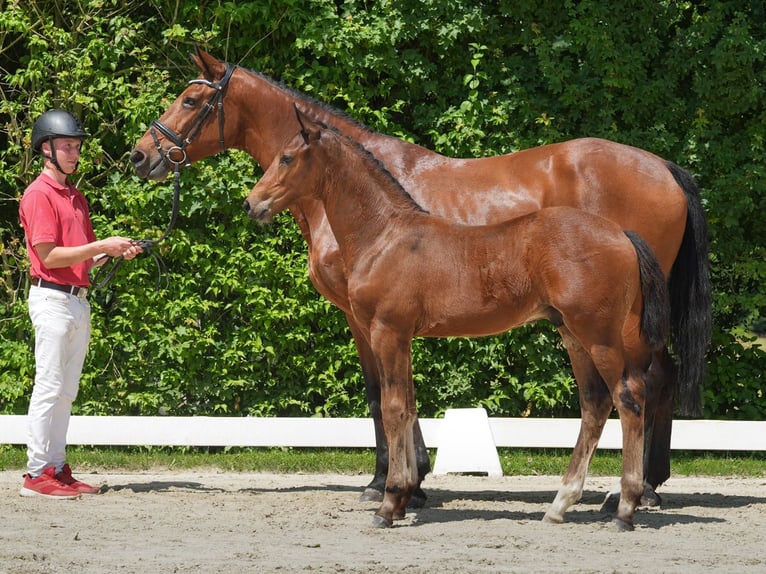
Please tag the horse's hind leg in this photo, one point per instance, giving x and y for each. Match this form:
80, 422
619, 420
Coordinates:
595, 406
660, 389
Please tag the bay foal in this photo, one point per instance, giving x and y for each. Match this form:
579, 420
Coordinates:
412, 274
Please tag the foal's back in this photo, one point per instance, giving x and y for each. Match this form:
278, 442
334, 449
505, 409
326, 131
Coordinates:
472, 281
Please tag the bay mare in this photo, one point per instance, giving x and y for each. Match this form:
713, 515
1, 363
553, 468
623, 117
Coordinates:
413, 274
231, 107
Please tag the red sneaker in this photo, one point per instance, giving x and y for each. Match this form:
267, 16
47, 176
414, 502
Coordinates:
46, 485
65, 476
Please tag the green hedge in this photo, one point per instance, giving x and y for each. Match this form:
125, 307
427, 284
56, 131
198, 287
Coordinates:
238, 328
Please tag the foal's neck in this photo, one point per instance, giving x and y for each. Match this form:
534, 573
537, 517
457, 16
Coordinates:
361, 198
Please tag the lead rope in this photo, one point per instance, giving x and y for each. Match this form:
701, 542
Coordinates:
147, 245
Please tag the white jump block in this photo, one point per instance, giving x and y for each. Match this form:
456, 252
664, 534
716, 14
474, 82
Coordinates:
466, 444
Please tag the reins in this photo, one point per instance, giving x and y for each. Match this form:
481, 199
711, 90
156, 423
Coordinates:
147, 245
173, 157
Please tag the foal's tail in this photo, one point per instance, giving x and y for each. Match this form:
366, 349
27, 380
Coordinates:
655, 314
690, 298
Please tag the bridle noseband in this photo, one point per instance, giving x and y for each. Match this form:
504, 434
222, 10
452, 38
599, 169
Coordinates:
174, 157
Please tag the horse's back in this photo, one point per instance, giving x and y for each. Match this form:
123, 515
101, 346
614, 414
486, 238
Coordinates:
628, 185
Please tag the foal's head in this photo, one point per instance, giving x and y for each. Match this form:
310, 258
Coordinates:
295, 172
316, 153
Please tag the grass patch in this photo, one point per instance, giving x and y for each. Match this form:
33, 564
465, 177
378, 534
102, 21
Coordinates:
515, 462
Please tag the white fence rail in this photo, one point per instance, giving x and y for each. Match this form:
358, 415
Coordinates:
353, 432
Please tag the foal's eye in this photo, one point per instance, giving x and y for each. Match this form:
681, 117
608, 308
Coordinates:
190, 102
286, 160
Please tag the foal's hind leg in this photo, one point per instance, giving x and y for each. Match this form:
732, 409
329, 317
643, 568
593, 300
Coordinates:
658, 423
595, 406
629, 399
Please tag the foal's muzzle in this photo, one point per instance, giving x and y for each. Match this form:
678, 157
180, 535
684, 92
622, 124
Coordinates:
260, 213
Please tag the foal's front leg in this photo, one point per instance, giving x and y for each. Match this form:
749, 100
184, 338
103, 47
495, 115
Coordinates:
399, 417
374, 490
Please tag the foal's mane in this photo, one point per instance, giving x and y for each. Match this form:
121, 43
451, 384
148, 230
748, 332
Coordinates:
374, 163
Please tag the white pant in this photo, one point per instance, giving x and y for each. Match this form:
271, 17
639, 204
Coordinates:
62, 333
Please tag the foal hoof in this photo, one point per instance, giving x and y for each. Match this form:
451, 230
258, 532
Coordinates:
622, 526
380, 522
371, 495
650, 498
553, 518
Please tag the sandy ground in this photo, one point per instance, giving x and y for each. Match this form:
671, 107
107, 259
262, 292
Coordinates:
207, 521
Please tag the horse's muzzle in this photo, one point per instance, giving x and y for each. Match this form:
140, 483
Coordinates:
142, 164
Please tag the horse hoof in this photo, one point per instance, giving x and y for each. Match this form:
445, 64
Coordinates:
371, 495
553, 519
418, 499
609, 506
622, 526
650, 498
380, 522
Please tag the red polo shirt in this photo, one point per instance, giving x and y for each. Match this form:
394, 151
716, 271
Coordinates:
59, 214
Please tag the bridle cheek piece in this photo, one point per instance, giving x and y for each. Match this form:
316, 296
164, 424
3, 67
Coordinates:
176, 155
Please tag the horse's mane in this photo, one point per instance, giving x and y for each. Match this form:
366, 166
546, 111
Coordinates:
311, 101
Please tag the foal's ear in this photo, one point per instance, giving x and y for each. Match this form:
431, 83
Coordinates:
303, 120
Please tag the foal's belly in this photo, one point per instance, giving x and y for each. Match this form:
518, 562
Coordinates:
481, 324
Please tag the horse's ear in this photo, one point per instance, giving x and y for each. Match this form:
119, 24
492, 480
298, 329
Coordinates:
211, 68
195, 57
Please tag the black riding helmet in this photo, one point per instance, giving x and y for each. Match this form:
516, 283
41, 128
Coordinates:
55, 124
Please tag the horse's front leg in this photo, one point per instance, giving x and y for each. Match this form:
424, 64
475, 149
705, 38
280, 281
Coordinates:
374, 490
399, 416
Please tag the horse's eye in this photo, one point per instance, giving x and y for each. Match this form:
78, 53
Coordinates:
190, 102
286, 160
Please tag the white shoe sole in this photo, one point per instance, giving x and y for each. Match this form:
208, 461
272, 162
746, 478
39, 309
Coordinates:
30, 493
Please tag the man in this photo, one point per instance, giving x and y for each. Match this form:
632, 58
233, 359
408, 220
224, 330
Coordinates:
62, 248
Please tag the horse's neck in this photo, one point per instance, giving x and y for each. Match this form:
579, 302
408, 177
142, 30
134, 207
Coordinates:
269, 118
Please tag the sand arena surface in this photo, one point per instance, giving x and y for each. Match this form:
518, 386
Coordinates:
208, 521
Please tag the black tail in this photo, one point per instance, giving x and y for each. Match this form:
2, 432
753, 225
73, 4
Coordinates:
655, 315
691, 320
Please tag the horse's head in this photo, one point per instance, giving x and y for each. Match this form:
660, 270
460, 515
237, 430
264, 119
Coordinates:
193, 126
294, 173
